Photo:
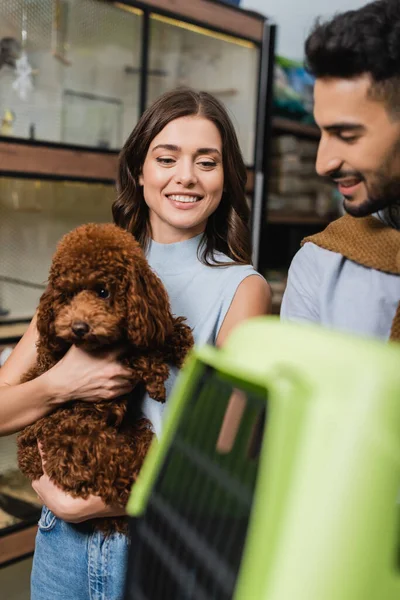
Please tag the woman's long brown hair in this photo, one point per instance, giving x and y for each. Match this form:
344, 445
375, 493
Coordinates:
227, 229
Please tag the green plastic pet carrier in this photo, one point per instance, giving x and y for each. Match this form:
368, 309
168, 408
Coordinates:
277, 475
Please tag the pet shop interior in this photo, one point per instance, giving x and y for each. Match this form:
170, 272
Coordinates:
75, 75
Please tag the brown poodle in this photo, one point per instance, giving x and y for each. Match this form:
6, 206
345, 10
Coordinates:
101, 294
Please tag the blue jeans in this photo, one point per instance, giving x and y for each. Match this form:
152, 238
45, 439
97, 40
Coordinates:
71, 563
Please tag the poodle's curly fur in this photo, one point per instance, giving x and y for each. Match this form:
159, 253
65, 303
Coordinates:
101, 294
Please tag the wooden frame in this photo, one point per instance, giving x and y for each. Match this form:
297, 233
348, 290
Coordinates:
57, 162
280, 217
12, 331
212, 14
287, 126
17, 544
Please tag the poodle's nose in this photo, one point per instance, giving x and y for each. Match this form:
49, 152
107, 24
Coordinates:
80, 328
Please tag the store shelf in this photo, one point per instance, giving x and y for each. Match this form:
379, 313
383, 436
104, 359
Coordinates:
12, 331
20, 157
250, 181
280, 125
293, 218
17, 544
215, 15
276, 306
224, 92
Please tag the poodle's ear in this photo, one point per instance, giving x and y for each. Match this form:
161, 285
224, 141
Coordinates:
46, 317
149, 318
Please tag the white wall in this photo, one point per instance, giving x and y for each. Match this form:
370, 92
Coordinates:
296, 17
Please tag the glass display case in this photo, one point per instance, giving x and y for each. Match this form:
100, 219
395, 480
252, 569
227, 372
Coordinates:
34, 215
79, 73
73, 71
19, 505
69, 71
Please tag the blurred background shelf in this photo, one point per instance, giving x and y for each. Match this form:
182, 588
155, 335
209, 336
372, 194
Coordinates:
40, 159
293, 218
281, 125
297, 203
13, 331
16, 545
20, 507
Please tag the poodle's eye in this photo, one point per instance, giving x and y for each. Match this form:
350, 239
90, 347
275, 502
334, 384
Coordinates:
102, 292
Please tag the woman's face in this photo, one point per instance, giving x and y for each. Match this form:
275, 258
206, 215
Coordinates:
183, 178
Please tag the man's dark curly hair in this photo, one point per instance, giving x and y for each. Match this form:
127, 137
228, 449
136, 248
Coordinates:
357, 42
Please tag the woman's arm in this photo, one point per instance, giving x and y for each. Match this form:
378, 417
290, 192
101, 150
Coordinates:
72, 510
77, 375
252, 299
25, 403
64, 506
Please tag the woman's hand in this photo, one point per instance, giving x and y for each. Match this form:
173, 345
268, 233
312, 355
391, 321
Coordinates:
91, 377
67, 508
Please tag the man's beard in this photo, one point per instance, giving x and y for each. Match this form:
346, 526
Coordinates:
382, 195
383, 189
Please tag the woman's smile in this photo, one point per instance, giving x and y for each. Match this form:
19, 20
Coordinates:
184, 201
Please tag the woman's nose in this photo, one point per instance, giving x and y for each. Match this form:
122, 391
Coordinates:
185, 175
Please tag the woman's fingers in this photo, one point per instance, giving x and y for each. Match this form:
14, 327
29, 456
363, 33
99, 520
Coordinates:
40, 448
84, 376
117, 389
36, 488
118, 371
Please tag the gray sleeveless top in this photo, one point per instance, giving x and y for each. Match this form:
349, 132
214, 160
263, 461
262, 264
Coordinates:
196, 291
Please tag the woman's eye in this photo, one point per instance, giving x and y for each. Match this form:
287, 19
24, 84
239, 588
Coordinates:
165, 161
103, 292
208, 164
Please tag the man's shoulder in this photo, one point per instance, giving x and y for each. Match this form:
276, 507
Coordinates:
312, 256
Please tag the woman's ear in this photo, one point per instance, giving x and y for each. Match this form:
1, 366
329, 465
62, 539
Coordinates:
141, 180
149, 318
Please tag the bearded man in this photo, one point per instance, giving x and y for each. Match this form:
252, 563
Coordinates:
348, 276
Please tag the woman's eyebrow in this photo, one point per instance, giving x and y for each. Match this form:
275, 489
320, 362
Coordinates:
171, 147
208, 151
174, 148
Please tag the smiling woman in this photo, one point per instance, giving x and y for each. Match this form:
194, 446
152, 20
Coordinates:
181, 192
185, 145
